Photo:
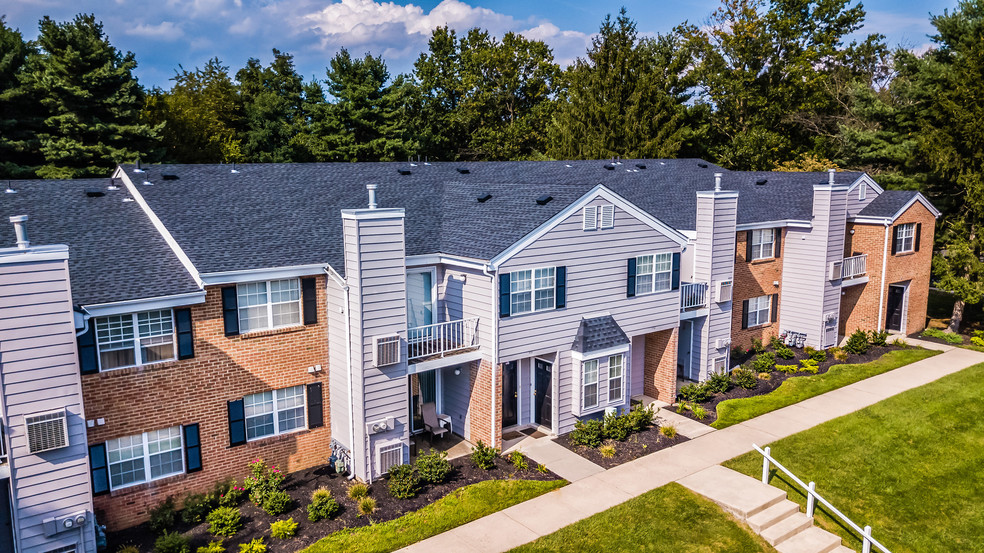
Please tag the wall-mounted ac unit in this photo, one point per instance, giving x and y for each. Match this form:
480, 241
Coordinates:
388, 455
46, 431
836, 270
722, 343
724, 291
386, 350
720, 365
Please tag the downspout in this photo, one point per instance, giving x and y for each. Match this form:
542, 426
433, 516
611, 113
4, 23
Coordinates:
85, 322
881, 294
495, 344
348, 359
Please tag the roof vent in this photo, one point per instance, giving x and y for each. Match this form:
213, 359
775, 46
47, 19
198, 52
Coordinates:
702, 165
372, 195
830, 176
609, 166
484, 198
94, 193
403, 171
112, 185
9, 190
760, 182
464, 170
147, 183
20, 229
717, 182
641, 165
169, 176
234, 170
544, 199
568, 165
137, 169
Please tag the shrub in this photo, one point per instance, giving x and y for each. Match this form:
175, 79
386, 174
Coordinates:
809, 351
229, 494
857, 343
484, 456
979, 342
764, 376
518, 460
212, 547
839, 354
433, 467
197, 506
253, 546
739, 354
171, 542
262, 481
878, 338
367, 506
681, 407
718, 383
744, 378
162, 516
587, 433
323, 505
617, 427
809, 365
607, 451
757, 346
781, 349
694, 393
788, 369
360, 490
668, 430
224, 521
818, 355
764, 362
541, 468
641, 418
403, 481
700, 412
978, 334
277, 502
128, 549
283, 529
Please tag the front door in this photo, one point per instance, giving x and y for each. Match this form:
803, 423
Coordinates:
510, 395
6, 522
685, 368
541, 393
896, 297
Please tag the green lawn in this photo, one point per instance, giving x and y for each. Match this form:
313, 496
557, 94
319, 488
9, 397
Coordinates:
911, 466
798, 388
458, 507
670, 519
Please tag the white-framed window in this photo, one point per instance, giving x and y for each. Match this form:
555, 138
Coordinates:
269, 304
763, 244
144, 457
862, 191
590, 216
274, 412
607, 216
532, 290
135, 339
758, 310
654, 273
905, 236
589, 383
616, 367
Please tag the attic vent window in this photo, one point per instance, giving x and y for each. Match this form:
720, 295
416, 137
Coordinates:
94, 193
484, 198
641, 165
609, 166
590, 215
47, 431
702, 165
403, 171
760, 182
544, 199
608, 216
169, 176
463, 170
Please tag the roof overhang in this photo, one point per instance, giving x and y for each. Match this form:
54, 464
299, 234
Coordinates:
866, 179
888, 220
267, 273
792, 223
144, 304
444, 259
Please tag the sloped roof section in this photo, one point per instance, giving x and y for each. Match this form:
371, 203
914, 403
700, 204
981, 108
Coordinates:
888, 203
598, 334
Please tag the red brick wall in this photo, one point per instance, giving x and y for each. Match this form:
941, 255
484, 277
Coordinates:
754, 279
482, 403
859, 304
196, 390
660, 371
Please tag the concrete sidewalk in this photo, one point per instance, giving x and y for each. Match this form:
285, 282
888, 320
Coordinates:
592, 494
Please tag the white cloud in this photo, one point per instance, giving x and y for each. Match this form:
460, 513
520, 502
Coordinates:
566, 45
165, 30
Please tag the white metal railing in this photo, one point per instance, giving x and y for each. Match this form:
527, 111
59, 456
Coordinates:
693, 294
812, 497
856, 265
440, 339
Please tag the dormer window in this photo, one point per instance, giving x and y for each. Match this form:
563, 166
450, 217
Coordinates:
135, 339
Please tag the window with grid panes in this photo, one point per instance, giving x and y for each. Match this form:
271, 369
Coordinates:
271, 304
135, 339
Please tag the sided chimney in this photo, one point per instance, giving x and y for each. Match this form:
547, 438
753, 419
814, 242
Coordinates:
20, 229
372, 195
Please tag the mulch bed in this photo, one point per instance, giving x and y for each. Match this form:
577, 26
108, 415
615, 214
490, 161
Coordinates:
301, 484
638, 444
777, 377
920, 336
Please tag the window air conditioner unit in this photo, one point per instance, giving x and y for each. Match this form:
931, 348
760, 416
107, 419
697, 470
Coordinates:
724, 291
388, 455
47, 431
722, 343
836, 270
386, 350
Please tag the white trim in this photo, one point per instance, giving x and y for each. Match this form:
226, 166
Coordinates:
533, 289
866, 179
854, 281
276, 412
789, 223
449, 361
577, 355
433, 272
258, 275
145, 304
138, 360
596, 192
881, 283
268, 292
719, 194
443, 259
55, 252
870, 220
917, 198
146, 458
159, 225
368, 214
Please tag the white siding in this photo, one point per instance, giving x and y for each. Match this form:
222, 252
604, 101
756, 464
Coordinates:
714, 261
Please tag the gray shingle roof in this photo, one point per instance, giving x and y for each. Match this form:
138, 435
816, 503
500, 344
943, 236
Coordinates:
888, 203
115, 253
597, 334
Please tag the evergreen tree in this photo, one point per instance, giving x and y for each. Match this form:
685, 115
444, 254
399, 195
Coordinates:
272, 99
19, 155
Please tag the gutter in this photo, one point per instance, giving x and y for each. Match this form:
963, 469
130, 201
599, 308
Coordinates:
348, 360
882, 285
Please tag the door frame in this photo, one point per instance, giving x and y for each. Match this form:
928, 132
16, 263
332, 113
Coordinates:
553, 366
904, 306
435, 314
518, 391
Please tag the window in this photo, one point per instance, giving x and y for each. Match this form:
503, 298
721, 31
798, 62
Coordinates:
615, 367
763, 242
274, 412
589, 384
590, 214
135, 339
144, 457
532, 290
265, 305
758, 310
654, 273
862, 190
905, 237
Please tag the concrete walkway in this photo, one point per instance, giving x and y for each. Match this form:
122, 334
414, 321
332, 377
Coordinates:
589, 495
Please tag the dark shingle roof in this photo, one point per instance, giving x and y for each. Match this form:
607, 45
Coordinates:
597, 334
115, 253
888, 203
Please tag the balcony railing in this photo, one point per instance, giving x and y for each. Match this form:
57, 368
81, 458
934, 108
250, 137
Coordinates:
442, 339
693, 294
854, 266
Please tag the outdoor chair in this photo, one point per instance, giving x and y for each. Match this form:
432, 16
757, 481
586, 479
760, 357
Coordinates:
431, 422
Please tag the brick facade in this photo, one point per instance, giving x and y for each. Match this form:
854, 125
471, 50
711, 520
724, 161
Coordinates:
754, 279
660, 371
158, 396
481, 403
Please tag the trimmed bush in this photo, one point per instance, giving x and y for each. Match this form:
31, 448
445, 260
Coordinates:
617, 427
224, 521
434, 467
641, 418
229, 493
367, 506
781, 349
857, 343
283, 529
359, 490
878, 338
948, 337
763, 363
322, 506
277, 502
818, 355
483, 456
253, 546
197, 506
694, 393
788, 369
162, 516
668, 430
607, 451
171, 542
718, 383
212, 547
744, 378
518, 461
129, 549
809, 365
403, 481
587, 433
979, 342
758, 346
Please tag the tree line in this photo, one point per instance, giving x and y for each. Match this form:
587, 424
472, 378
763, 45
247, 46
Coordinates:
762, 85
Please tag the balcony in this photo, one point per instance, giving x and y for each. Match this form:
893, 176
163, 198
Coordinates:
853, 268
437, 341
693, 295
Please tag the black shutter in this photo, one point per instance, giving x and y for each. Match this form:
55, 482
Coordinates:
98, 469
561, 287
230, 310
504, 295
895, 240
744, 314
630, 283
778, 247
915, 239
88, 356
193, 448
315, 400
309, 296
237, 423
748, 245
186, 342
676, 271
775, 308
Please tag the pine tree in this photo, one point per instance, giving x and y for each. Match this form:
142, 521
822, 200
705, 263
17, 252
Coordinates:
19, 155
272, 99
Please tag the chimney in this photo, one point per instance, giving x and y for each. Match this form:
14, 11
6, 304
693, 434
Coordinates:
372, 195
717, 182
21, 231
830, 176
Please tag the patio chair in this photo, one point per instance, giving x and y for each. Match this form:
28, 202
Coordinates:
431, 422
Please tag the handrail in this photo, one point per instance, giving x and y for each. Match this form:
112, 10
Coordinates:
442, 338
812, 497
693, 294
853, 266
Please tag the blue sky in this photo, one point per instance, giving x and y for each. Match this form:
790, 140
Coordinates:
166, 33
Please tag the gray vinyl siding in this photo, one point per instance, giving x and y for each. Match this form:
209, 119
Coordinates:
853, 204
338, 376
40, 373
465, 293
714, 261
836, 229
456, 395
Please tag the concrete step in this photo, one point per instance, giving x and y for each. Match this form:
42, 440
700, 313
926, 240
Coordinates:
812, 540
787, 528
765, 519
736, 493
842, 549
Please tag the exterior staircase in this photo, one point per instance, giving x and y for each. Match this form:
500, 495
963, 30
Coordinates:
765, 510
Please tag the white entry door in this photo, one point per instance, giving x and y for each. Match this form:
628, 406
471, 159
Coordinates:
420, 298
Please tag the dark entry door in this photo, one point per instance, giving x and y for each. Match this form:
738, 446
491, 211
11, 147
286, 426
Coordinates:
895, 296
6, 523
510, 394
541, 393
